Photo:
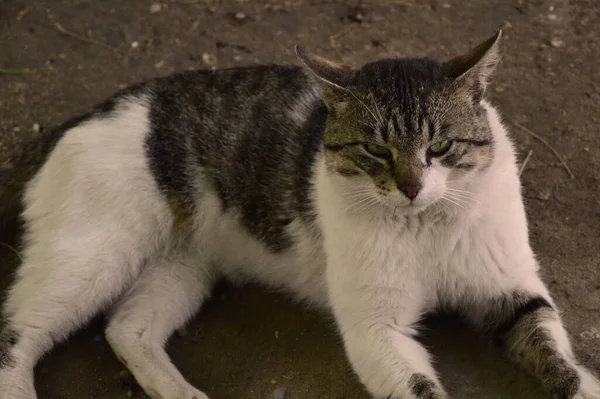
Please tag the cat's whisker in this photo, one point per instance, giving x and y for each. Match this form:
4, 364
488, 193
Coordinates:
355, 193
370, 211
359, 203
363, 104
453, 202
366, 205
460, 194
381, 118
459, 190
463, 200
357, 199
367, 124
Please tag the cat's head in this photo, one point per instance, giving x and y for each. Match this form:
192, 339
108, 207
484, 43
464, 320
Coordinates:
407, 133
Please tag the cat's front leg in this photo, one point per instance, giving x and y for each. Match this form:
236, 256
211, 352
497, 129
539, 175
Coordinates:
528, 325
377, 323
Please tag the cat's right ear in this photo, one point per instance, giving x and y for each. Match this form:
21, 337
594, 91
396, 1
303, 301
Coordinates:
332, 73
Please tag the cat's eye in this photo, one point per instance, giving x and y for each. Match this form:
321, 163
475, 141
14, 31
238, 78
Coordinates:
440, 148
377, 150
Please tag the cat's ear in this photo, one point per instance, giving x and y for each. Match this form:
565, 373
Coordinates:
332, 73
474, 68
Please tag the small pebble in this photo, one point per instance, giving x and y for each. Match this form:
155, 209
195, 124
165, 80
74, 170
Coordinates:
124, 374
556, 43
23, 13
552, 17
551, 8
446, 5
129, 394
208, 59
17, 129
237, 58
155, 7
279, 393
135, 44
240, 16
35, 128
507, 25
159, 64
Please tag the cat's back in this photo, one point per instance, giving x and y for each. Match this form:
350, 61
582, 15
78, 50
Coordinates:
250, 134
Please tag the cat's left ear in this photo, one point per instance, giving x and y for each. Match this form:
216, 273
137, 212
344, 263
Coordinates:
473, 69
332, 73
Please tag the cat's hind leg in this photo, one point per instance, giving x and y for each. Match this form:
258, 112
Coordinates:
66, 278
166, 296
93, 217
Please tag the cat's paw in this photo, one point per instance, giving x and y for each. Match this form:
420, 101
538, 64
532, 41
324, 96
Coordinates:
420, 387
589, 386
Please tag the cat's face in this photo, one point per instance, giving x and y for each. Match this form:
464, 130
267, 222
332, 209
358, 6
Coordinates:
407, 134
408, 153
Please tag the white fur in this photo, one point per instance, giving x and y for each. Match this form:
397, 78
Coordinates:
99, 230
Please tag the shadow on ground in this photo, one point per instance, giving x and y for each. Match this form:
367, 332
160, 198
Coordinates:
246, 343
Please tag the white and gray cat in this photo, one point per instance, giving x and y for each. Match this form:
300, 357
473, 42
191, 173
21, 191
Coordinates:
380, 193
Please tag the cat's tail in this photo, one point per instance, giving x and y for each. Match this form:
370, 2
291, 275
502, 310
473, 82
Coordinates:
19, 169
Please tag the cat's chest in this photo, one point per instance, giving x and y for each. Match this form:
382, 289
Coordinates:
418, 240
416, 254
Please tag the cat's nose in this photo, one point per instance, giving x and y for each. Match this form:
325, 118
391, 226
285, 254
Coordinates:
411, 192
409, 179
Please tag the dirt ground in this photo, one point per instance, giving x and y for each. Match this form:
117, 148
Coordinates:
248, 343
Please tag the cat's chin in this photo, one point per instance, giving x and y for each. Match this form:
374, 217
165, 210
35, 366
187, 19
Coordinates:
412, 209
407, 209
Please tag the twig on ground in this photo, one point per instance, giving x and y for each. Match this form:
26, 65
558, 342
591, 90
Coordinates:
14, 72
12, 249
543, 141
62, 30
285, 49
525, 162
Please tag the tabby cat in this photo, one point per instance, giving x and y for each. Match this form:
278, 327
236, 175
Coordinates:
379, 193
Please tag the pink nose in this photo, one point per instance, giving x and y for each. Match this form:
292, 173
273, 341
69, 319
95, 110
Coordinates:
410, 191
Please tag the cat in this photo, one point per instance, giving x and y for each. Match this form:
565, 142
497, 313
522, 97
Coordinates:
379, 193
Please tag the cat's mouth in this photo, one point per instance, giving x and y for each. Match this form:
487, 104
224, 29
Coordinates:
405, 206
